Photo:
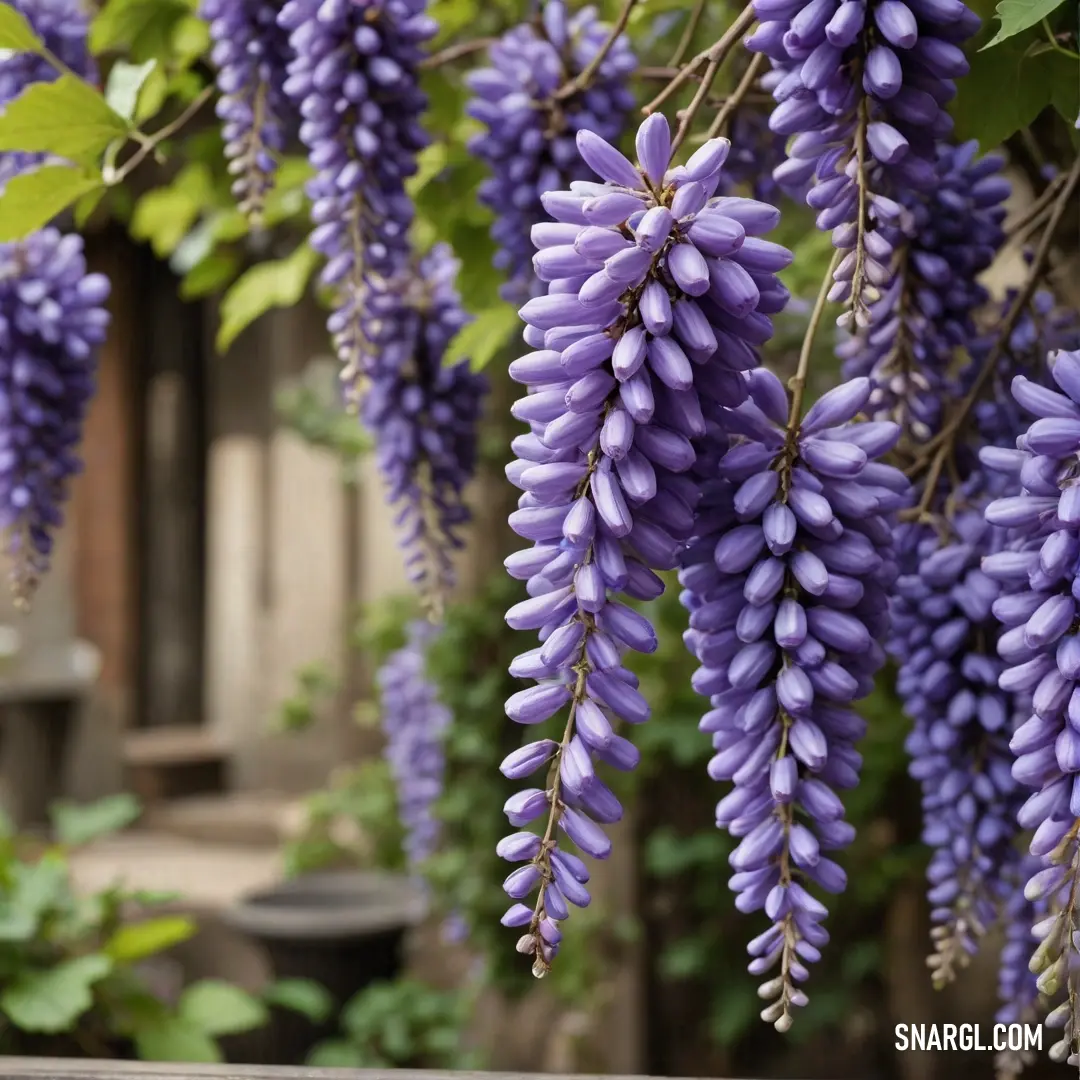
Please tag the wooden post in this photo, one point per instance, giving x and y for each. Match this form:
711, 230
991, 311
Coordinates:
102, 523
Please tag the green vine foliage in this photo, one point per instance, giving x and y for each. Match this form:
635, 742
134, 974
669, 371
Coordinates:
73, 978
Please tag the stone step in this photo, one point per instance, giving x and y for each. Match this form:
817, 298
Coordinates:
252, 819
170, 762
208, 878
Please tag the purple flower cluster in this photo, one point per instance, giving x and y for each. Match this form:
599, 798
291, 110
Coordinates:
945, 636
250, 53
1042, 329
52, 320
353, 80
1041, 650
422, 412
414, 722
927, 311
786, 582
529, 139
863, 93
658, 293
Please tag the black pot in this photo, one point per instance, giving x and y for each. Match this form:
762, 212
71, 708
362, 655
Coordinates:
344, 930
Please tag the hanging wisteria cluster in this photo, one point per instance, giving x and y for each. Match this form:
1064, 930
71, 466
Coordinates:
414, 722
52, 321
250, 53
657, 296
787, 583
920, 510
531, 123
423, 412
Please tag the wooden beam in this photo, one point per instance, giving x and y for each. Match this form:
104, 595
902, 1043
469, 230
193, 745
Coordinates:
18, 1068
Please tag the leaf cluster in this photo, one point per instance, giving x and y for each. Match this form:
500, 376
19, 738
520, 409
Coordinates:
73, 966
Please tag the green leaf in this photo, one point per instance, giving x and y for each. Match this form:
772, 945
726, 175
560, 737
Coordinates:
336, 1054
125, 84
280, 283
213, 273
165, 215
120, 25
1018, 15
219, 1008
136, 941
53, 1000
429, 163
85, 206
172, 1038
76, 824
305, 996
15, 925
68, 118
1020, 86
38, 887
481, 339
32, 199
16, 33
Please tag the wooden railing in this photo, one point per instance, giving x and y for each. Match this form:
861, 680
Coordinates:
28, 1068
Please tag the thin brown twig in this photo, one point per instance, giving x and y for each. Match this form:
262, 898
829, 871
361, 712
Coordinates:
736, 97
688, 34
455, 52
797, 382
941, 446
150, 143
717, 51
689, 114
1037, 206
584, 80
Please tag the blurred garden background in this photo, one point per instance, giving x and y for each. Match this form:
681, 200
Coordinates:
189, 717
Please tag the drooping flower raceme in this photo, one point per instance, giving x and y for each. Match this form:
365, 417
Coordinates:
414, 722
945, 636
786, 582
863, 93
52, 320
657, 295
529, 139
422, 412
353, 80
1041, 650
927, 311
250, 53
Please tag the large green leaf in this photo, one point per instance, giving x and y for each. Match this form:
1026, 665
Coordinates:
77, 823
165, 215
125, 84
1018, 15
53, 1000
16, 33
68, 118
34, 198
1008, 87
136, 941
481, 339
305, 996
219, 1008
280, 283
172, 1038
